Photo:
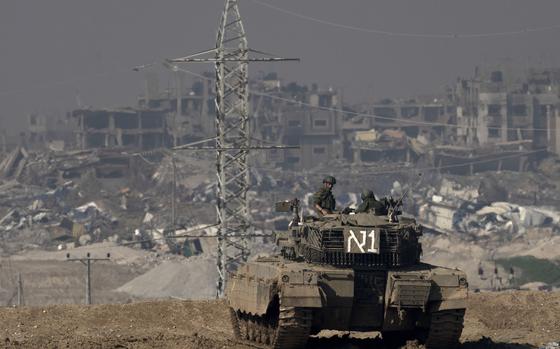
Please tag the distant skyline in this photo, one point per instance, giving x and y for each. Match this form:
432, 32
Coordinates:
53, 52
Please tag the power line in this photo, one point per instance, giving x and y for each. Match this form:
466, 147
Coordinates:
407, 34
23, 90
187, 235
433, 168
87, 262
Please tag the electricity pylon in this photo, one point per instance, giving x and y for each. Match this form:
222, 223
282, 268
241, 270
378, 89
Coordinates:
231, 59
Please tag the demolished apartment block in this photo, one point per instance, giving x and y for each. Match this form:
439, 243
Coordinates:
128, 127
190, 113
47, 130
493, 109
507, 156
389, 145
314, 131
428, 115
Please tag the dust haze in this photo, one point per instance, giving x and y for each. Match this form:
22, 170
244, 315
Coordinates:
156, 194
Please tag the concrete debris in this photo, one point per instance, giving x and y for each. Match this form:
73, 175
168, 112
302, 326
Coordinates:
474, 211
536, 286
68, 195
13, 165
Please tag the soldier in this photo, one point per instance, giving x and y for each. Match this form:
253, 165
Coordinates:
371, 204
323, 199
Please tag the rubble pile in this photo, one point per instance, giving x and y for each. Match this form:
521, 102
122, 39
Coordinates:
61, 199
486, 207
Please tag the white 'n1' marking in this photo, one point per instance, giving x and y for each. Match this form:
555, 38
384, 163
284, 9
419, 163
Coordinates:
364, 240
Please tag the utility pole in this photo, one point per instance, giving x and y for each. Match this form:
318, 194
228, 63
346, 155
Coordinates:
20, 300
231, 59
173, 193
87, 262
179, 114
4, 142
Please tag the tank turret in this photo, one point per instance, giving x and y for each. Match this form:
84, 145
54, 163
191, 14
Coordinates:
363, 240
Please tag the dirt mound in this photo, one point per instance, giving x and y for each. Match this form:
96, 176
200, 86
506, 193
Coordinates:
494, 320
192, 280
171, 324
516, 317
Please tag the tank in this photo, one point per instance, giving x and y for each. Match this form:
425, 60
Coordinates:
348, 272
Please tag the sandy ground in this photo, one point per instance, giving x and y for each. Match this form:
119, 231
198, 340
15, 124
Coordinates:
493, 320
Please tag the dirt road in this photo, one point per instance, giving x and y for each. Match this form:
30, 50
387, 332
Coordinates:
508, 320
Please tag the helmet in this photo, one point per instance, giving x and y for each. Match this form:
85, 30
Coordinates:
367, 194
329, 179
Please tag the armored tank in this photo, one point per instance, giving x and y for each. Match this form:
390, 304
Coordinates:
348, 272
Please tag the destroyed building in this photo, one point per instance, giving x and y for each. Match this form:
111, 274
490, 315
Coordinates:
47, 130
127, 127
189, 112
312, 125
462, 130
493, 110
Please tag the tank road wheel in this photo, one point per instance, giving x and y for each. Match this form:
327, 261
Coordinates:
294, 326
445, 329
284, 328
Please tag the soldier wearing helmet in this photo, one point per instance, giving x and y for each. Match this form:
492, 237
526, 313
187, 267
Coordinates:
371, 204
323, 199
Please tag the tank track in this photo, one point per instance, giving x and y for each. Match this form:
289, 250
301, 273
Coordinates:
445, 329
287, 330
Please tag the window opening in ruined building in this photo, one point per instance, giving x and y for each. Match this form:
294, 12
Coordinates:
409, 112
496, 76
95, 140
325, 101
126, 121
294, 123
319, 150
519, 110
431, 113
97, 120
385, 112
494, 132
152, 120
292, 160
129, 140
320, 123
494, 109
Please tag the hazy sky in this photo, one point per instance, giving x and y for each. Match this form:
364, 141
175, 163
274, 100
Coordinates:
50, 51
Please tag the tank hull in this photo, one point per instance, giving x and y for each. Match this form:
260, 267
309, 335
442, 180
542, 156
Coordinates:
348, 299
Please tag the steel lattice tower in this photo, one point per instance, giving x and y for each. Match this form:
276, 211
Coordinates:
232, 126
231, 59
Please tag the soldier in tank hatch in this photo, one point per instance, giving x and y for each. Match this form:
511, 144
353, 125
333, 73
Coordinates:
371, 204
323, 199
